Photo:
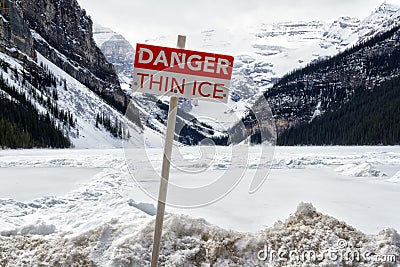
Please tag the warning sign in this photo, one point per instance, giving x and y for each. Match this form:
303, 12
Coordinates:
182, 73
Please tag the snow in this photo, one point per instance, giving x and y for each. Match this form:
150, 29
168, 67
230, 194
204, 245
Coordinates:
381, 19
12, 50
103, 218
95, 200
85, 111
194, 242
359, 170
14, 63
37, 228
17, 65
317, 111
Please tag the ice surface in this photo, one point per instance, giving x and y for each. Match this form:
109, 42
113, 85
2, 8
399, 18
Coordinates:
395, 178
145, 207
27, 184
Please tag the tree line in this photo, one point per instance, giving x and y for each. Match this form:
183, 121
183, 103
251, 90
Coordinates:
369, 118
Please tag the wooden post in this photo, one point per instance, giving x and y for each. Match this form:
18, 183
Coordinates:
166, 164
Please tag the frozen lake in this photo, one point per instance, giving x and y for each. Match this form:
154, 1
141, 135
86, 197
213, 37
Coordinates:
27, 184
363, 195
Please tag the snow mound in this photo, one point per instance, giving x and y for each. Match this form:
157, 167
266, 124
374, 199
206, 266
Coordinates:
194, 242
38, 228
359, 170
395, 178
305, 210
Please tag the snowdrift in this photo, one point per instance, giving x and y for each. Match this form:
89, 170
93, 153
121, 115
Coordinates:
194, 242
359, 170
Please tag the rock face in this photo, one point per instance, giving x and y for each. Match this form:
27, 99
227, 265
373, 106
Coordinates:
62, 32
14, 33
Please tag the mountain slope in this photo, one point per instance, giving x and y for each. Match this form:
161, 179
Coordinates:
326, 85
71, 106
69, 88
369, 118
61, 29
22, 126
347, 31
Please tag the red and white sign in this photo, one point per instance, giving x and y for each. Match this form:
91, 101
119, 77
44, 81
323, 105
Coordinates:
183, 73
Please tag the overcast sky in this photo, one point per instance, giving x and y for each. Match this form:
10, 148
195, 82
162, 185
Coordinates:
139, 20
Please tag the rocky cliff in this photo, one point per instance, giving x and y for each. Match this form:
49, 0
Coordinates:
14, 33
62, 32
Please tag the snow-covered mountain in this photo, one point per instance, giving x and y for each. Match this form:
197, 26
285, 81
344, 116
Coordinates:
347, 31
264, 53
153, 112
340, 31
268, 51
354, 84
117, 50
58, 71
